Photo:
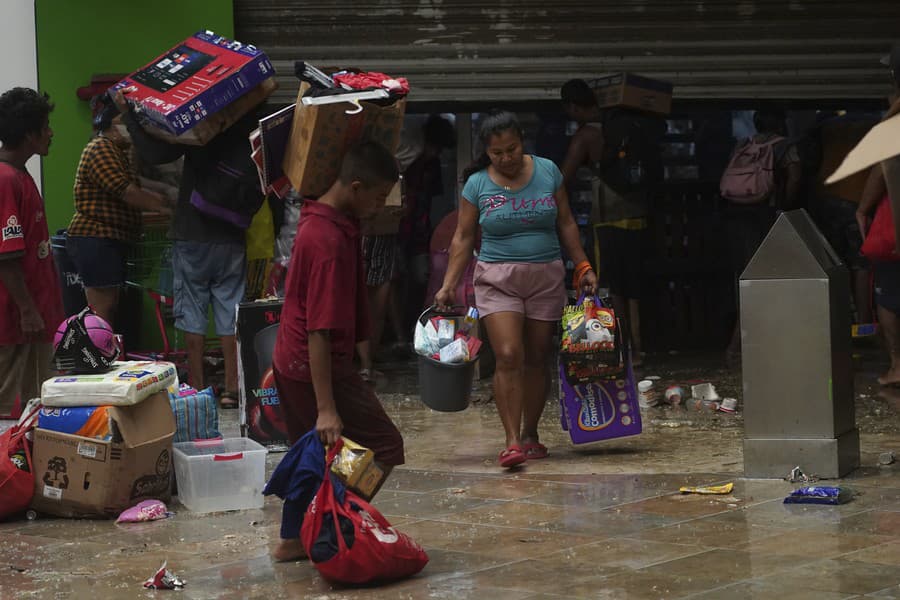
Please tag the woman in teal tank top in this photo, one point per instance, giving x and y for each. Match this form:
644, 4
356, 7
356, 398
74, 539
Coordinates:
520, 203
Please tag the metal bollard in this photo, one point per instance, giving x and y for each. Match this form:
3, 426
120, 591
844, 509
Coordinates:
797, 361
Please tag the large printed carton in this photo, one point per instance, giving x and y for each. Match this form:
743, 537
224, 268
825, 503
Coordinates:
600, 410
213, 125
78, 476
193, 81
262, 418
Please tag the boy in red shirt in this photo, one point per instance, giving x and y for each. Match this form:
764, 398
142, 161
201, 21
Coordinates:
30, 296
325, 314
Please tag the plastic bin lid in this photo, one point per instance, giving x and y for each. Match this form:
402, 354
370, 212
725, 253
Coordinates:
218, 446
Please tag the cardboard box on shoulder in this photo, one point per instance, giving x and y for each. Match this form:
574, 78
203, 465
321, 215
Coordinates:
322, 133
628, 90
194, 80
214, 124
85, 477
261, 416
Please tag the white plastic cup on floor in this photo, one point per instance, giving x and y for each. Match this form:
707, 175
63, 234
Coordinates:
646, 396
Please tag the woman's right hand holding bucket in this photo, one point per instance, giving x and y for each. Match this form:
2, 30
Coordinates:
445, 298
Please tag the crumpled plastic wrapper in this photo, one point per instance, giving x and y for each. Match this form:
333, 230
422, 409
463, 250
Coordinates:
148, 510
798, 476
708, 489
164, 579
832, 495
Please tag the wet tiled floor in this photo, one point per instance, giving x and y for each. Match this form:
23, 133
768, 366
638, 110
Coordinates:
604, 521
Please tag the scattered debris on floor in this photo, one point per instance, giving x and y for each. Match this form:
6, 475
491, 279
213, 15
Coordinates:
820, 495
148, 510
164, 579
709, 489
798, 476
728, 405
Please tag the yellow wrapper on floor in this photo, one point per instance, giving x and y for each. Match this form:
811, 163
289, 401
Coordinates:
710, 489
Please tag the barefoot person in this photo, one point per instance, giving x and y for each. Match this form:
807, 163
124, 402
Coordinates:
886, 275
521, 204
325, 316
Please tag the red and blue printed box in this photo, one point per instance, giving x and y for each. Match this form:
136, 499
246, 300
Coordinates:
195, 79
261, 418
601, 410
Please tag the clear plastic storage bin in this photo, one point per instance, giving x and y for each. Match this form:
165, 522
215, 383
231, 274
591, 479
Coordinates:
217, 475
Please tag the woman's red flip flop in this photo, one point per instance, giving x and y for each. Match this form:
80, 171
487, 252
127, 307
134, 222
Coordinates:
511, 457
534, 450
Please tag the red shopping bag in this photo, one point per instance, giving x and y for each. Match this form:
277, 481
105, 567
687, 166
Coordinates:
880, 244
351, 542
16, 483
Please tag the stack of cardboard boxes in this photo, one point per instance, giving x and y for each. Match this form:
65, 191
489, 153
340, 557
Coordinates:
79, 476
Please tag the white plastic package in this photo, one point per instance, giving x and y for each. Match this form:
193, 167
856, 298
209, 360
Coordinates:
126, 384
455, 352
425, 339
446, 332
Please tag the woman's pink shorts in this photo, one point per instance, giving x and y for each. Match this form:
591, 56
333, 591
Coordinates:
537, 290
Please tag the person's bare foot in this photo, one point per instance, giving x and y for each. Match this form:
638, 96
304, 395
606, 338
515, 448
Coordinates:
289, 550
892, 377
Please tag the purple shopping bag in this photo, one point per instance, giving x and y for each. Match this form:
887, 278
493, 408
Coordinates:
600, 410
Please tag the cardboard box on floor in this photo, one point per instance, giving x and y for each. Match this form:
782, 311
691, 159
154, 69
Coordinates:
83, 477
628, 90
194, 80
322, 133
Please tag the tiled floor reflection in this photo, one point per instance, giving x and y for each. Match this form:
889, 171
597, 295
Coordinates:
593, 523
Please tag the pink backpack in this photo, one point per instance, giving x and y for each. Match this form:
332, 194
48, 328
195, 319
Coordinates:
749, 177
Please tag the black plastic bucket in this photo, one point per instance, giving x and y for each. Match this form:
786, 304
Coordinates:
445, 387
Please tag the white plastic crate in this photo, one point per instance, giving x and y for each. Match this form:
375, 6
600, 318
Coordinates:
217, 475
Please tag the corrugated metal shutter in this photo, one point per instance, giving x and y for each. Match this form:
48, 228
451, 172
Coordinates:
464, 51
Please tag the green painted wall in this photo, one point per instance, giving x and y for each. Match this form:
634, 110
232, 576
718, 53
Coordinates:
80, 38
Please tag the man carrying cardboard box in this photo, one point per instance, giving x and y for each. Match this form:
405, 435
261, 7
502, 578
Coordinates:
218, 196
621, 147
30, 297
